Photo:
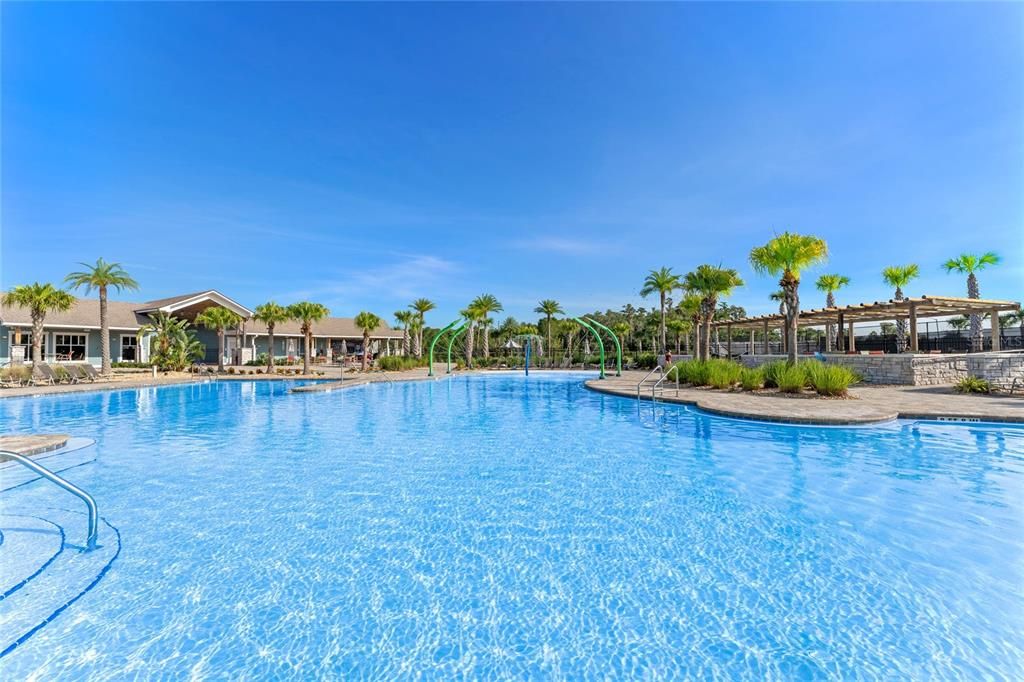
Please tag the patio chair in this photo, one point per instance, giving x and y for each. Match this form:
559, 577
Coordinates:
79, 373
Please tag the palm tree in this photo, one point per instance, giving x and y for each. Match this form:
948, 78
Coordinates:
102, 276
679, 328
786, 255
899, 276
307, 313
690, 308
473, 317
40, 299
221, 319
663, 281
710, 282
830, 284
549, 308
486, 304
173, 346
968, 264
367, 322
271, 314
421, 306
404, 318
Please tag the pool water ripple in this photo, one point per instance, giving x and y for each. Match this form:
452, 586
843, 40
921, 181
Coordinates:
505, 527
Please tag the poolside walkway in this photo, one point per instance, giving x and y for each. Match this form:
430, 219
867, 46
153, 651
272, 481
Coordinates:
870, 403
25, 444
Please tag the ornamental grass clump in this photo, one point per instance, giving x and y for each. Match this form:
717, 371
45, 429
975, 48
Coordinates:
791, 379
772, 370
751, 379
827, 379
723, 373
973, 385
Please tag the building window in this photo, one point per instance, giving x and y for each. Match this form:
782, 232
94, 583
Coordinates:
129, 348
26, 344
69, 347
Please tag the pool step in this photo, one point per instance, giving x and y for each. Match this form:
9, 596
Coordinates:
28, 545
65, 576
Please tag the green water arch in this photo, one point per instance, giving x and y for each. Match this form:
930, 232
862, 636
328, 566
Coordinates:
437, 337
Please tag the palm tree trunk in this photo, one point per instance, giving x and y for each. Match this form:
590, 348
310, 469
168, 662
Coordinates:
104, 335
830, 330
270, 348
220, 349
487, 341
405, 341
974, 292
37, 338
901, 325
366, 350
664, 345
677, 343
790, 285
470, 333
308, 342
549, 340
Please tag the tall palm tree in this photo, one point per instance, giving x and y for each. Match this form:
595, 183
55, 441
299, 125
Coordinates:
271, 314
421, 306
663, 281
786, 255
102, 276
969, 264
367, 322
549, 308
899, 276
404, 318
486, 304
40, 299
473, 317
710, 282
221, 319
307, 313
830, 284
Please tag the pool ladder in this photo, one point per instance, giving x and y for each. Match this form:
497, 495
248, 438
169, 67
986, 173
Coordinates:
90, 503
658, 385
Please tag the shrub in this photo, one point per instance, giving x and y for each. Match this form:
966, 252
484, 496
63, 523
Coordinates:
231, 370
397, 363
772, 370
646, 360
828, 379
752, 379
791, 379
972, 385
61, 373
19, 374
723, 373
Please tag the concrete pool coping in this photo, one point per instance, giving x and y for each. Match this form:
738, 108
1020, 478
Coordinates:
870, 404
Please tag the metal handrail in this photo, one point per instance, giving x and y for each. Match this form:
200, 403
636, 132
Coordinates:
657, 368
664, 376
94, 513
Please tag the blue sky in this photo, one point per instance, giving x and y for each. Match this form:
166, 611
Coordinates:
365, 155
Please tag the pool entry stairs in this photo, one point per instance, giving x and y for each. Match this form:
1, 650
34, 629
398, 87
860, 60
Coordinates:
50, 557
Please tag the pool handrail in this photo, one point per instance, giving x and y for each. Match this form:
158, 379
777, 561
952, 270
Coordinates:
657, 368
90, 503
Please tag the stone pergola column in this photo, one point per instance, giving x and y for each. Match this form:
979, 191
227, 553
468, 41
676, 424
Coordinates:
751, 341
853, 339
766, 337
728, 339
995, 328
839, 334
913, 327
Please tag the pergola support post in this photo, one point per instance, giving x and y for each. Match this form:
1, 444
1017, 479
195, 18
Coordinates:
995, 329
766, 347
840, 344
728, 340
853, 340
750, 348
913, 328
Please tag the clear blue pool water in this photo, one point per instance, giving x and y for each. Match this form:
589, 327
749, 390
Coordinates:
511, 527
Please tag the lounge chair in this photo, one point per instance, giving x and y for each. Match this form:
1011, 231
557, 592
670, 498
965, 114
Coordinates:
91, 374
43, 375
79, 373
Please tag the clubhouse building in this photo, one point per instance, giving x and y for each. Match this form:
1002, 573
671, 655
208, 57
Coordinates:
74, 336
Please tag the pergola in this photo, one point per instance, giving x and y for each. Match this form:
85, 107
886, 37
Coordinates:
910, 309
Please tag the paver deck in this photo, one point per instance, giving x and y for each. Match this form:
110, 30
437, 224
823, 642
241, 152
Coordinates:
869, 403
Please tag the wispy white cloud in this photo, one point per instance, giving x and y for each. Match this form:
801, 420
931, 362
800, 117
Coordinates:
573, 246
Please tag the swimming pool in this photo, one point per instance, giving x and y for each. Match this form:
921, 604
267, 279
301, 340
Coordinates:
504, 526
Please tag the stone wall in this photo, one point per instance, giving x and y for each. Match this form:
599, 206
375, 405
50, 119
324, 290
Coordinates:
999, 369
906, 369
